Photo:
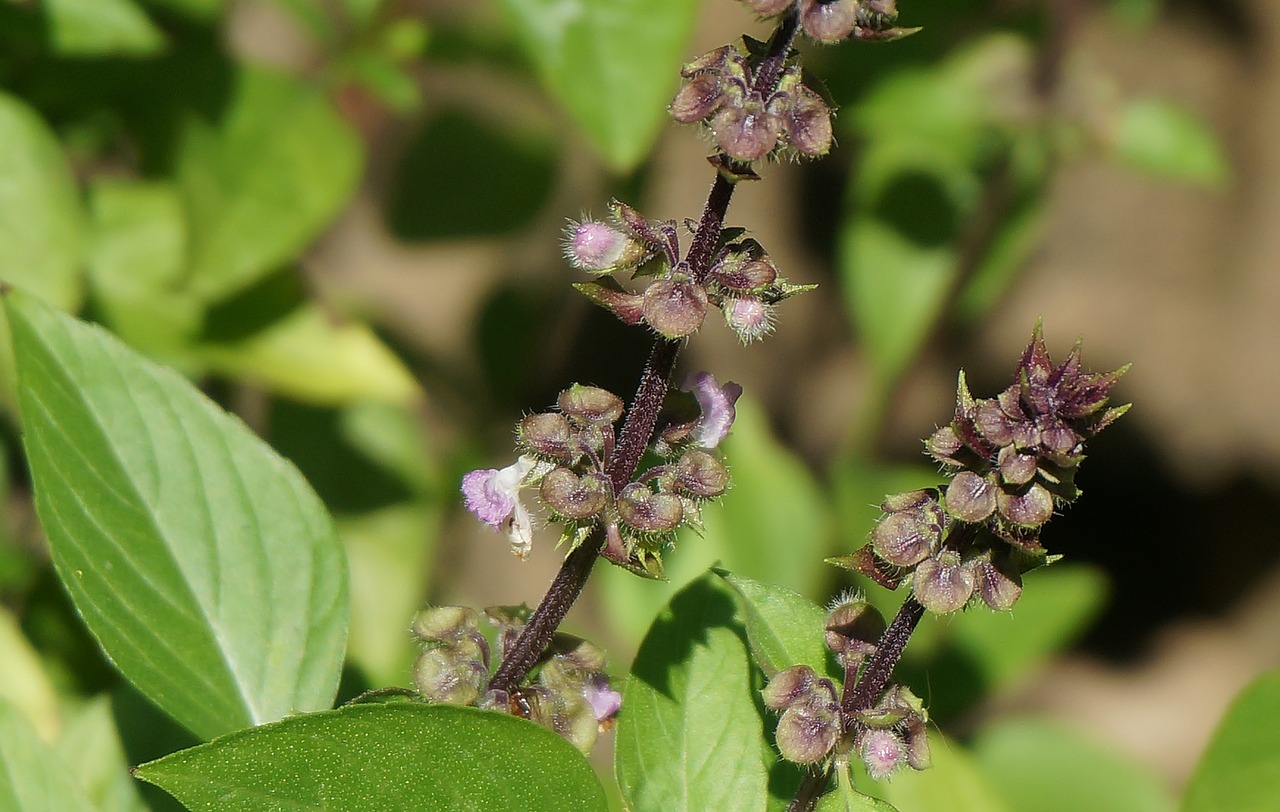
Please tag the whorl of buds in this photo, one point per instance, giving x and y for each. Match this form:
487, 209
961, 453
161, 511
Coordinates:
810, 725
1011, 461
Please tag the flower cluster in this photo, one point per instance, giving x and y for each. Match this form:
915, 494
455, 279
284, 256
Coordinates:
836, 20
742, 281
1012, 461
570, 693
814, 727
719, 90
566, 455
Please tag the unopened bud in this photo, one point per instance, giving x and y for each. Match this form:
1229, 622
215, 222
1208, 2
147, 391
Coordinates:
1015, 467
546, 434
746, 132
574, 497
943, 584
590, 404
828, 20
749, 317
598, 247
998, 586
970, 498
787, 687
768, 8
700, 474
944, 445
1030, 508
992, 423
443, 677
675, 307
883, 753
646, 511
697, 98
444, 623
904, 538
853, 629
807, 122
806, 734
745, 276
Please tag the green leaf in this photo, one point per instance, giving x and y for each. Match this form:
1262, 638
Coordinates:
41, 222
784, 628
101, 27
1240, 770
692, 736
846, 797
137, 256
1040, 766
92, 745
383, 758
308, 356
612, 64
953, 784
1168, 141
23, 681
32, 778
202, 562
262, 184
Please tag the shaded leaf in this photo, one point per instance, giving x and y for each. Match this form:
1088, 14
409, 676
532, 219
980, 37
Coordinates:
32, 778
1169, 141
383, 758
91, 745
691, 736
613, 64
1240, 770
203, 563
23, 681
1040, 766
262, 184
101, 27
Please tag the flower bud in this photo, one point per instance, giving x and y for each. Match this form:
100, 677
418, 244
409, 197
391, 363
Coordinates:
787, 687
675, 307
509, 621
700, 474
883, 753
649, 512
437, 624
853, 629
807, 734
697, 98
574, 497
744, 276
992, 423
998, 586
1015, 467
590, 404
748, 317
918, 744
828, 20
1030, 508
944, 445
600, 248
807, 123
746, 132
970, 498
546, 434
906, 537
443, 677
943, 584
768, 8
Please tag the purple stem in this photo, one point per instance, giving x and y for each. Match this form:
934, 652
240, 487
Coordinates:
642, 413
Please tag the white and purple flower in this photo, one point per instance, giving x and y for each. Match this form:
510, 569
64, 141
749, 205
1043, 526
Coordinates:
717, 404
494, 497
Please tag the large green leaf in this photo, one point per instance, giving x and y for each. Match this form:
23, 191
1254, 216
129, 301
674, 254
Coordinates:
402, 757
784, 628
1044, 767
202, 562
261, 185
101, 27
691, 736
613, 64
32, 778
1240, 770
41, 222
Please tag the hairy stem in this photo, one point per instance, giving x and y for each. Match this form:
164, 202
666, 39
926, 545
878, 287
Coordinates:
642, 413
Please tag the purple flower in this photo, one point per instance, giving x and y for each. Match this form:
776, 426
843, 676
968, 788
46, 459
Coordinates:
718, 413
494, 497
604, 701
594, 246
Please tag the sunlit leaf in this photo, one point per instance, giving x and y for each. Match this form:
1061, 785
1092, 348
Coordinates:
783, 627
203, 563
613, 64
100, 27
402, 757
23, 682
1240, 770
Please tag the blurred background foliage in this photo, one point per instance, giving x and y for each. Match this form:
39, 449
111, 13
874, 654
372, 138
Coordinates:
341, 218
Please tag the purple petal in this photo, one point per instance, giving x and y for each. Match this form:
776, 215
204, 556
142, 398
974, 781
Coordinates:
604, 701
485, 499
718, 413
